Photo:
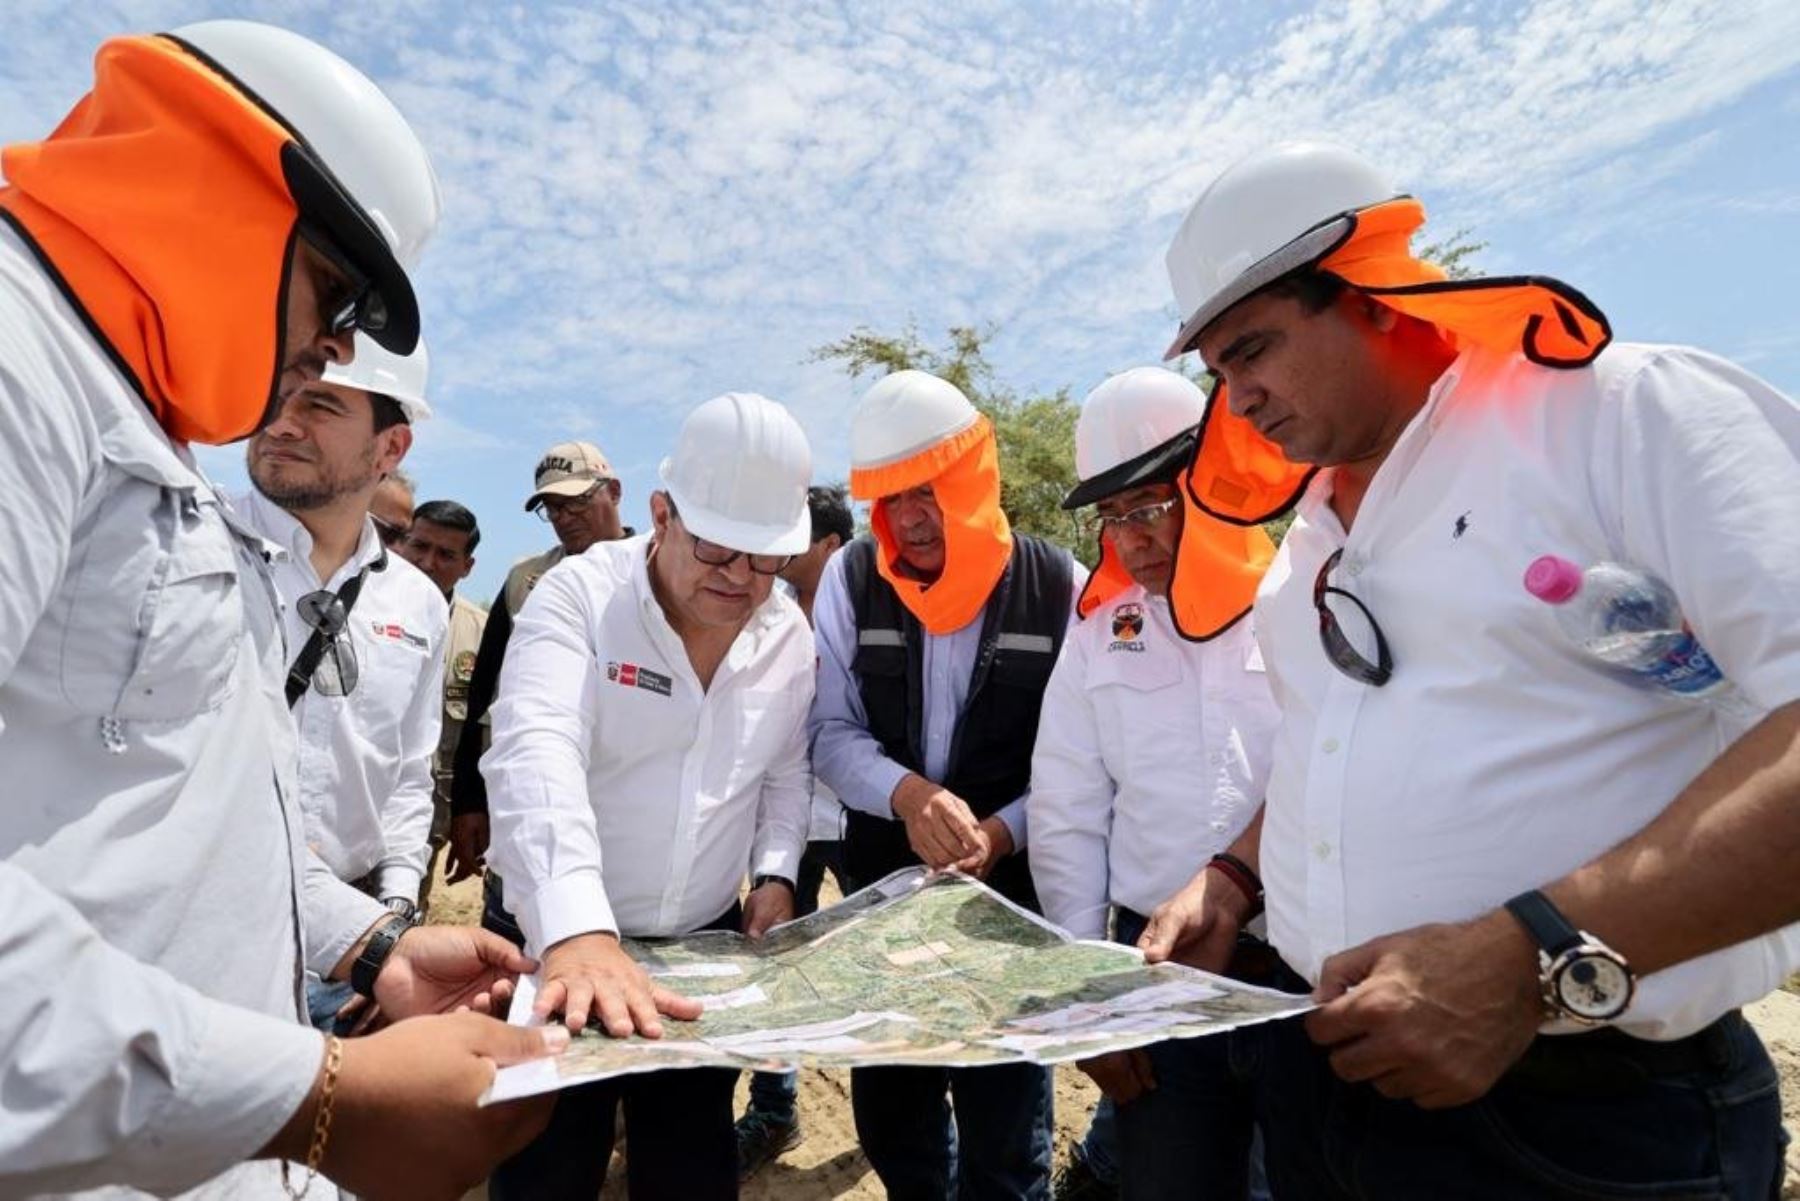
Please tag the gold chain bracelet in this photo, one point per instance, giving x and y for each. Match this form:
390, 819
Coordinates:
321, 1133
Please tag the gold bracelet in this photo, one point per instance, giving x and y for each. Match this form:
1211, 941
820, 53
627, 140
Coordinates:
315, 1154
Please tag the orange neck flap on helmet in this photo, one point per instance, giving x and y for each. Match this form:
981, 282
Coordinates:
964, 474
1241, 477
1218, 565
161, 208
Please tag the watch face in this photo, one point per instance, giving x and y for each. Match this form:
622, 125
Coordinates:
1593, 986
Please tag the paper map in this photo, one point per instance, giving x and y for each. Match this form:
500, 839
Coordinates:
916, 969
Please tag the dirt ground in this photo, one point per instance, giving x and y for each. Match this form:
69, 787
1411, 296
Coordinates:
828, 1163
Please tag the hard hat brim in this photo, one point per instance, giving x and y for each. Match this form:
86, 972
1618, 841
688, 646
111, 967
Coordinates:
1308, 248
749, 537
322, 199
1159, 464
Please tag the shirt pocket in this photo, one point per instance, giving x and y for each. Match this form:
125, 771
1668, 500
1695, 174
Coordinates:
1139, 709
155, 614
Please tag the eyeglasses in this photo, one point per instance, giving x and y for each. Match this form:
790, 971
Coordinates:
1143, 517
1345, 657
353, 306
336, 673
714, 555
552, 505
389, 533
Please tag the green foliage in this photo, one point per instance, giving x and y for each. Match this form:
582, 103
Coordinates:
1036, 434
1453, 252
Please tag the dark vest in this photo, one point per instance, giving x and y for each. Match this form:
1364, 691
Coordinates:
990, 752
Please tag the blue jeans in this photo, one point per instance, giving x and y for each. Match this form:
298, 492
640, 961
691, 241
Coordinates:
323, 999
1587, 1117
773, 1094
1193, 1135
998, 1148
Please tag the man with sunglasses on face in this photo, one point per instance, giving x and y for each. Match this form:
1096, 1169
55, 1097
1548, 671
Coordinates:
576, 492
158, 895
368, 704
1152, 755
391, 508
1530, 895
649, 750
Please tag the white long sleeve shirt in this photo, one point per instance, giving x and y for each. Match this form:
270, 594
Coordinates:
1152, 755
365, 759
623, 797
1497, 759
153, 869
845, 755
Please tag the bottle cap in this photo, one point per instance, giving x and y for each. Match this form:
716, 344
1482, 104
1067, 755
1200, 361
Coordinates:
1552, 580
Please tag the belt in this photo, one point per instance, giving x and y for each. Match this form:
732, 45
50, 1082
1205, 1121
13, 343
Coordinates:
1609, 1061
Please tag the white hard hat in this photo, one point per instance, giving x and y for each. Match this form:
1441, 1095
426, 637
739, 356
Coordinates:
739, 475
377, 369
1266, 215
354, 132
903, 414
1136, 428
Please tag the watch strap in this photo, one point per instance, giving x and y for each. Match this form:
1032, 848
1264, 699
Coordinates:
1546, 924
375, 955
759, 881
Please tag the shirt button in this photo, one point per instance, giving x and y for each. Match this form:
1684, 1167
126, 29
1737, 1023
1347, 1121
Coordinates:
1330, 746
1322, 850
1354, 565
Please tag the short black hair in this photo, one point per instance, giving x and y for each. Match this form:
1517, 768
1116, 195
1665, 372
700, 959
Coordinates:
1315, 290
451, 516
387, 411
830, 507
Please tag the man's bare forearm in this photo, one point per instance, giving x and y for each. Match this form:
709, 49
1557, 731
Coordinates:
1716, 867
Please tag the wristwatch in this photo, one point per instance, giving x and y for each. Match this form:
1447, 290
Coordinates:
404, 907
375, 954
759, 881
1582, 979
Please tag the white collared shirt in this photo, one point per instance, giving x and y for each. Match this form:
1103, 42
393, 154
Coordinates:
152, 862
623, 797
365, 759
1152, 755
1496, 759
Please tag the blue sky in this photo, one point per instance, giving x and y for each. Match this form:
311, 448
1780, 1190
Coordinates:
648, 205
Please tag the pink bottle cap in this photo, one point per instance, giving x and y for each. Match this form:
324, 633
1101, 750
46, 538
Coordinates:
1552, 579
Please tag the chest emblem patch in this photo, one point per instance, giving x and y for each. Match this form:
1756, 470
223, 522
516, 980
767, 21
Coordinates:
630, 675
1127, 626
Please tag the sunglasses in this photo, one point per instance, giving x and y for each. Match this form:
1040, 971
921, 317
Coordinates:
354, 304
336, 673
1144, 517
389, 533
1345, 657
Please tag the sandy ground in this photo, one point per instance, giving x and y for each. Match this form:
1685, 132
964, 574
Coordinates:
828, 1163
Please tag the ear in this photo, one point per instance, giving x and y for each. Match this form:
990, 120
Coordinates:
659, 513
468, 566
832, 541
392, 444
1379, 315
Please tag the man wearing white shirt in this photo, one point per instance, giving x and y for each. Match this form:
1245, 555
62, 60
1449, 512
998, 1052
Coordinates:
936, 636
649, 754
369, 712
1152, 754
159, 897
1501, 867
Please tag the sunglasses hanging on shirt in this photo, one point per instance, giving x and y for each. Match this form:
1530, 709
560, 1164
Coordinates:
327, 663
1338, 646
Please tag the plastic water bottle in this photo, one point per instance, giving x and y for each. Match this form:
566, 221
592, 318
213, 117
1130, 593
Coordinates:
1630, 620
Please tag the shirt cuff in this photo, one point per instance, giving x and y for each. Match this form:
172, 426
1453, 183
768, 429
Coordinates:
250, 1072
564, 907
399, 880
1014, 818
342, 915
778, 859
877, 793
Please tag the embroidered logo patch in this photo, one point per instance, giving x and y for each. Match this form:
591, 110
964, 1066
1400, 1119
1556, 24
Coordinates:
630, 675
395, 632
463, 668
1127, 625
1128, 621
